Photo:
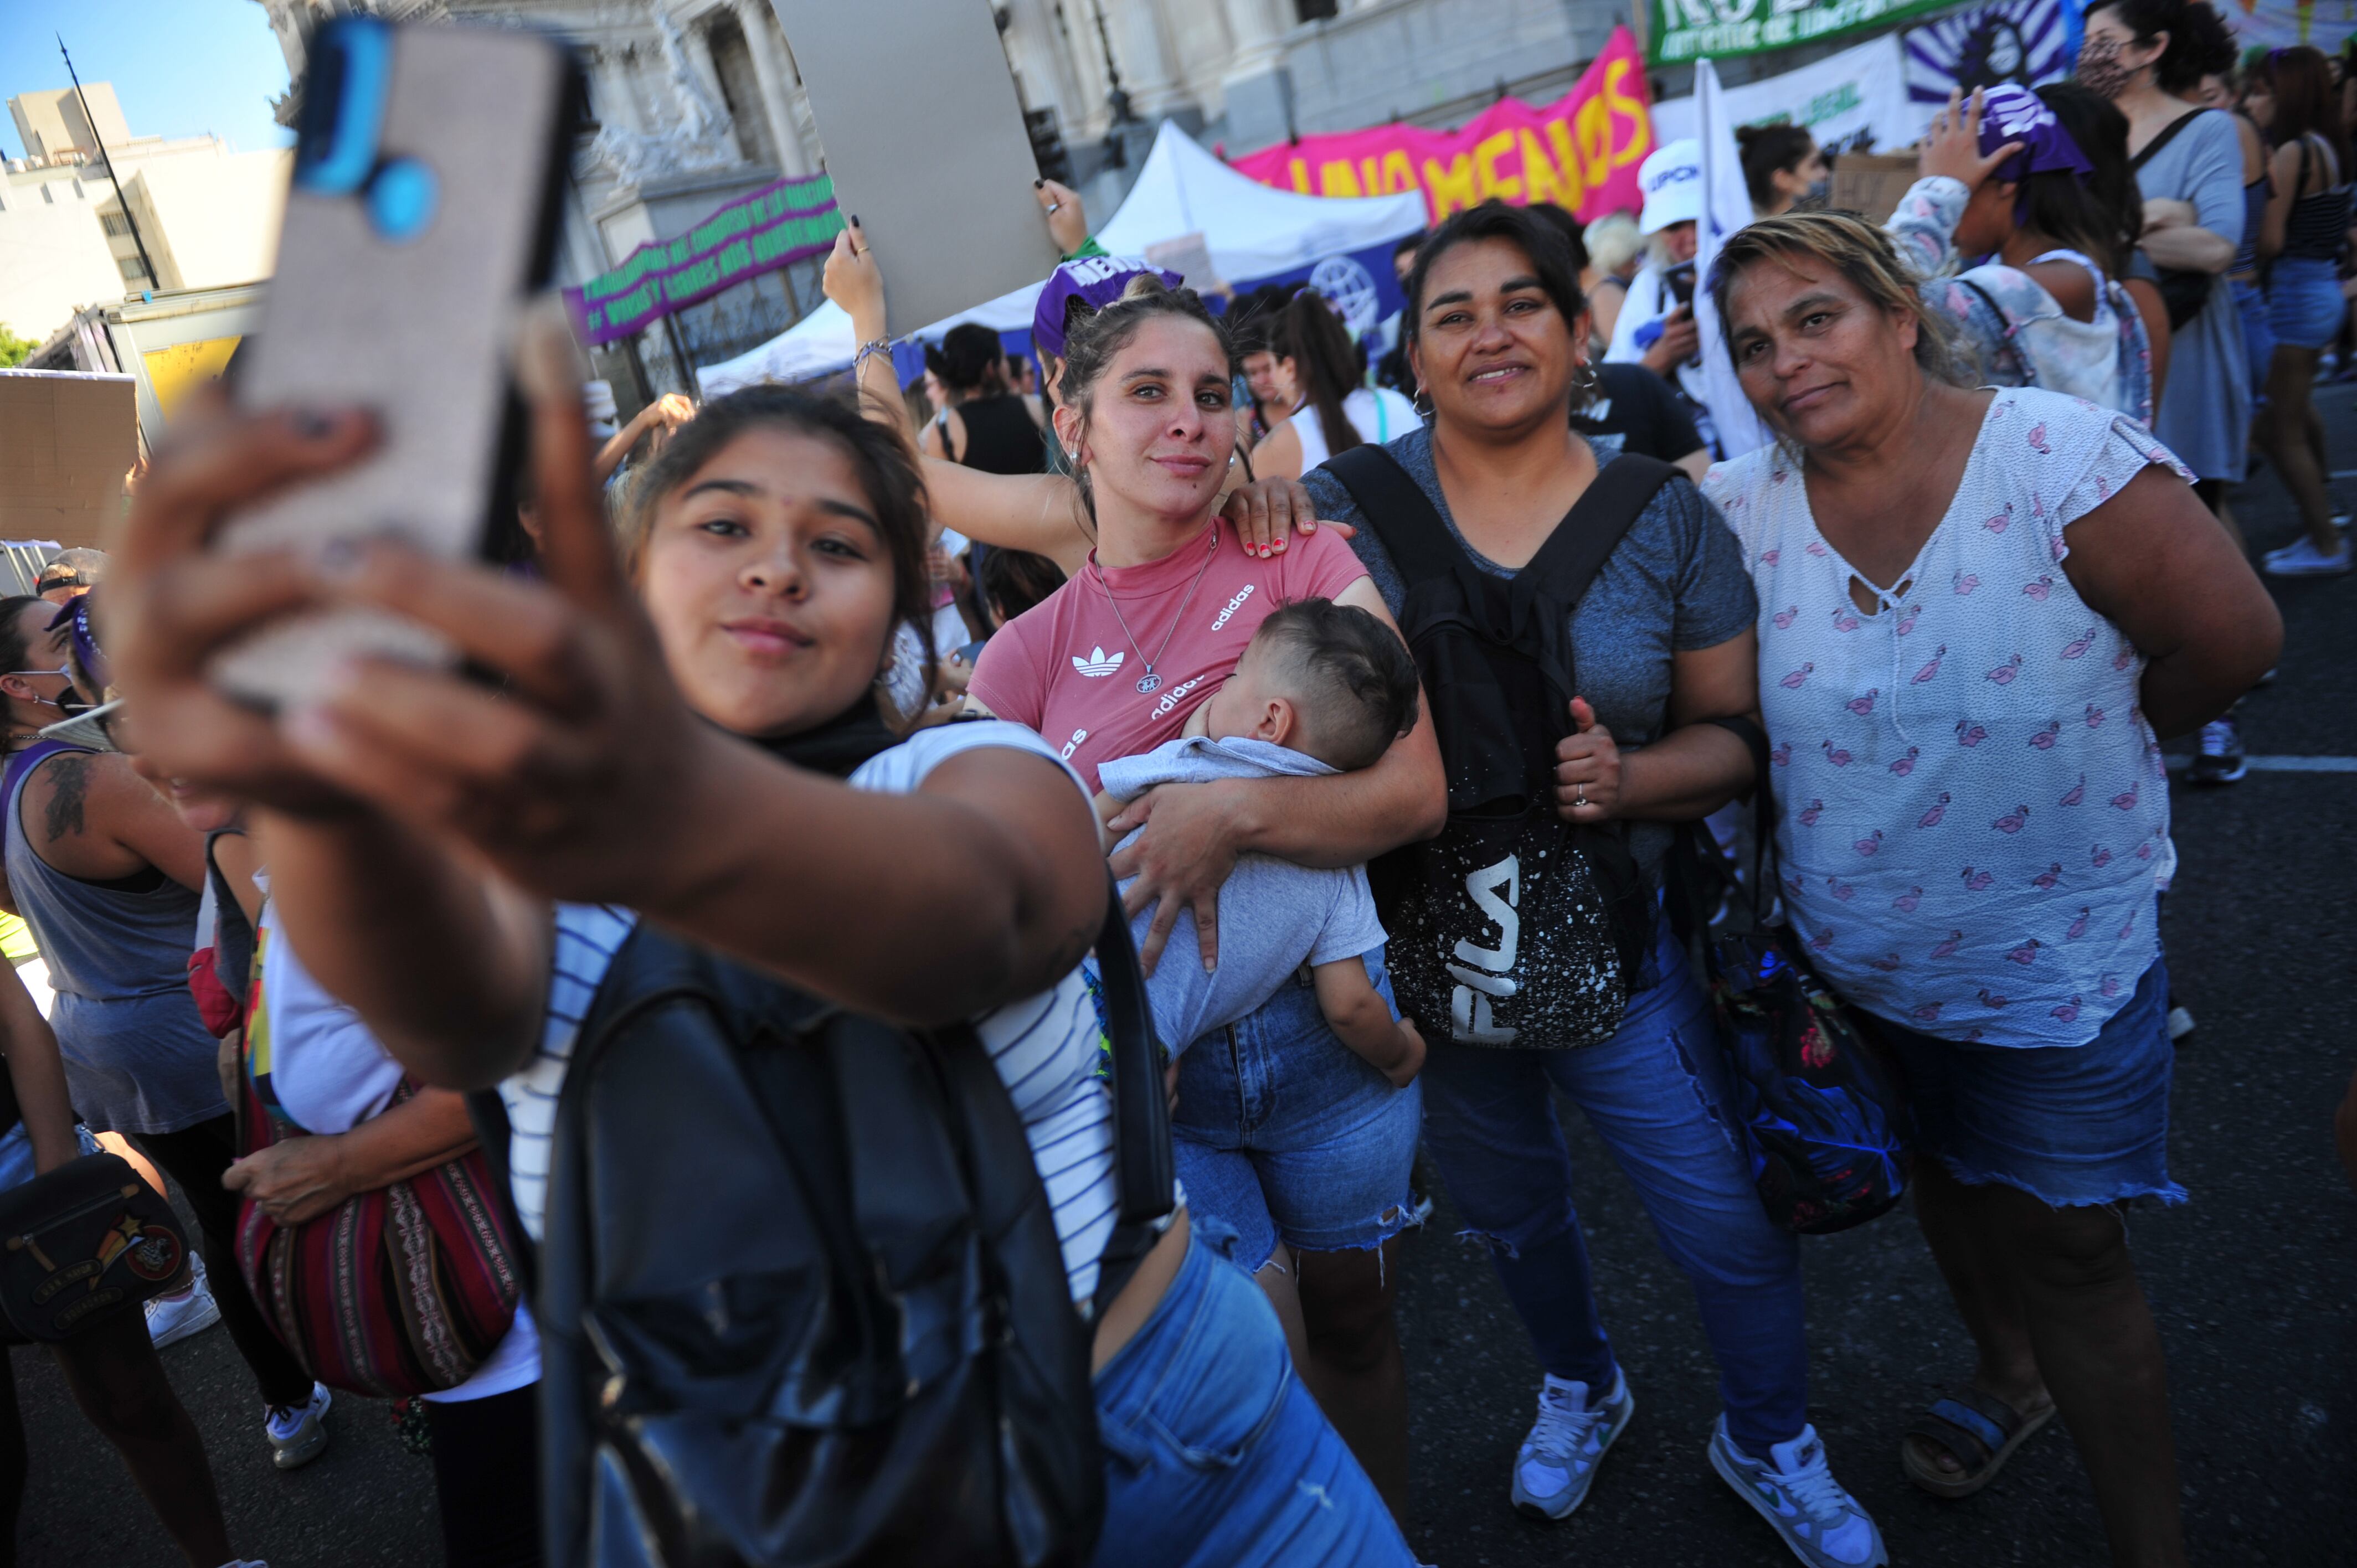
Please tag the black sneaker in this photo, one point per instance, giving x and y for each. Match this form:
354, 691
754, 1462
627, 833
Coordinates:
2220, 761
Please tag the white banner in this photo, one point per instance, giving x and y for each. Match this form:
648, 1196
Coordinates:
1727, 206
1849, 101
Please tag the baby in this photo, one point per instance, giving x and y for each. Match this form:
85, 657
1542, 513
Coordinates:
1323, 688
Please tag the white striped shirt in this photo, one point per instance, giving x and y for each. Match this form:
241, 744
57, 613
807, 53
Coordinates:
1044, 1046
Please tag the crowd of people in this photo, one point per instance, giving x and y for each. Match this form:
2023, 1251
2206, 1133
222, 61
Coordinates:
1391, 691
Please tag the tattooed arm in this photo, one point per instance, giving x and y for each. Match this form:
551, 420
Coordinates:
90, 816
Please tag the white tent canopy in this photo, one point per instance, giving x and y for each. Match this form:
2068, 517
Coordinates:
1251, 231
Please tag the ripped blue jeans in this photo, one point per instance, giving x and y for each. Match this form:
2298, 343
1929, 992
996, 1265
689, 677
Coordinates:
1652, 1093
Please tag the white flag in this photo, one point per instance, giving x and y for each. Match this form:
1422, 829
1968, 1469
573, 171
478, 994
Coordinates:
1727, 206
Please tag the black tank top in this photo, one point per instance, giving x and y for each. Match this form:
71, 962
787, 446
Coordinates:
1000, 437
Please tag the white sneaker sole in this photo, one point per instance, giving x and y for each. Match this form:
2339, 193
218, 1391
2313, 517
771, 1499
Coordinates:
1532, 1507
186, 1321
1734, 1479
309, 1441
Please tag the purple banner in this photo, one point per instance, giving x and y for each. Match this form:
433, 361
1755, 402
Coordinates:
775, 227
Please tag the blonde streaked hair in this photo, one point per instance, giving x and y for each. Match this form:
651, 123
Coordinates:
1860, 253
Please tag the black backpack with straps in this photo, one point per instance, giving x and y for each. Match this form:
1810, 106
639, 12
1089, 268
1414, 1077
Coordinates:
1513, 928
800, 1295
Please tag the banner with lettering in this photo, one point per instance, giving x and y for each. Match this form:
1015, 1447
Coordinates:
1692, 30
2280, 24
1850, 101
776, 226
1580, 152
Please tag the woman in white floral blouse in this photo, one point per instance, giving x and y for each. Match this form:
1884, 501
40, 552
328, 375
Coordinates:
1979, 609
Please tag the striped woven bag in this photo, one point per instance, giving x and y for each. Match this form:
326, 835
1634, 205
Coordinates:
405, 1289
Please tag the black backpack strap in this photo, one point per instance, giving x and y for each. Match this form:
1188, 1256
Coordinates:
2167, 134
1595, 526
1144, 1167
1402, 515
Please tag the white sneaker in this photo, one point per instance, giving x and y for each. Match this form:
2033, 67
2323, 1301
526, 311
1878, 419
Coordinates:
297, 1432
2301, 558
1558, 1460
172, 1318
1795, 1492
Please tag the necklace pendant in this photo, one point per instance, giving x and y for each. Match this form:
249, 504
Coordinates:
1148, 682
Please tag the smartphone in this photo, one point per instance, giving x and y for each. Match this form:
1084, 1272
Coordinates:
1680, 282
429, 172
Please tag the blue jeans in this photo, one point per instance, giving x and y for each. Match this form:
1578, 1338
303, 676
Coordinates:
2258, 336
1283, 1131
2070, 1125
1656, 1093
1216, 1456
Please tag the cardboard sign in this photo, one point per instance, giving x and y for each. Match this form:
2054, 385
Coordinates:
1870, 184
944, 194
1191, 258
72, 436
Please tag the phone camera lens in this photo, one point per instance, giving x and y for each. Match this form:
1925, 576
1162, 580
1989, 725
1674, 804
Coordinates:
402, 199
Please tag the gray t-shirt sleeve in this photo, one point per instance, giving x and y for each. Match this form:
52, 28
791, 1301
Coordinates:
1716, 600
1352, 925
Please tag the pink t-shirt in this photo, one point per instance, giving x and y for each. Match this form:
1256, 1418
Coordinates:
1067, 669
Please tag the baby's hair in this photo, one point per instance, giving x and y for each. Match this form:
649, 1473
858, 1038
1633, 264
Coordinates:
1355, 681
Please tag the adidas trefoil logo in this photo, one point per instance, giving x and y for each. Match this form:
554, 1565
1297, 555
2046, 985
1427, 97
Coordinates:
1098, 662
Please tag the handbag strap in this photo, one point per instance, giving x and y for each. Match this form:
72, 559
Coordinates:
1146, 1171
2167, 134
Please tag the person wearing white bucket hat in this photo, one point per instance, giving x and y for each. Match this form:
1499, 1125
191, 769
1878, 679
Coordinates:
1656, 327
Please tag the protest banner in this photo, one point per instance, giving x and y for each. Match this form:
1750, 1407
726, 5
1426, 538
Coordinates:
72, 435
1692, 30
774, 227
1848, 101
1580, 152
2024, 41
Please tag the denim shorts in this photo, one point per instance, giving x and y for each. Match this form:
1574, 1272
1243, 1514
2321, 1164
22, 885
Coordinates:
2304, 301
1283, 1132
2070, 1125
2258, 338
1216, 1455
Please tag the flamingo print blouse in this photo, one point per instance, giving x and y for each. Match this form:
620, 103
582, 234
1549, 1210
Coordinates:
1973, 816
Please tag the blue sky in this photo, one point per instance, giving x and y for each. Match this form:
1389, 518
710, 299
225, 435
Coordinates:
180, 68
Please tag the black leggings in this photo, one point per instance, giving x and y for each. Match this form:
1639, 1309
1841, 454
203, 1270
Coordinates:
487, 1472
195, 1157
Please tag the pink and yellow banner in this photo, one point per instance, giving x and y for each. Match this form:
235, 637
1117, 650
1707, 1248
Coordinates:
1581, 151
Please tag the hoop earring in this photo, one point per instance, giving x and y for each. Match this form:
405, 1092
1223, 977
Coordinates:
1422, 402
1586, 385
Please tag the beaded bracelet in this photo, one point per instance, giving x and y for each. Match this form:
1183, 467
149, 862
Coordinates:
859, 359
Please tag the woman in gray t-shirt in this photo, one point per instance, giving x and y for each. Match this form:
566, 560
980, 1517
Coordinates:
1661, 641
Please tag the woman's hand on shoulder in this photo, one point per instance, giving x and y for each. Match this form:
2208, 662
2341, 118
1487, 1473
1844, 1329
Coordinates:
1265, 513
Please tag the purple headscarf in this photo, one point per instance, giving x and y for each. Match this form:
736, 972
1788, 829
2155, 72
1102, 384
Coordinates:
2014, 113
1096, 280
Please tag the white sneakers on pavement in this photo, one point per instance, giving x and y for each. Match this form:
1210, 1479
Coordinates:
298, 1433
1795, 1492
1558, 1459
172, 1318
2301, 558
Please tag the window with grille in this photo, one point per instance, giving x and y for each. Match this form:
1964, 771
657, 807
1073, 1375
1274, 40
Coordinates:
114, 223
133, 269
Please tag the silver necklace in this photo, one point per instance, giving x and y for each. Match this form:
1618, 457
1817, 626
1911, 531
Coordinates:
1149, 681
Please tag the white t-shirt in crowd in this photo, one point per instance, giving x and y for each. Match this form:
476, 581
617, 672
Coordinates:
1044, 1046
1649, 301
330, 1075
1378, 413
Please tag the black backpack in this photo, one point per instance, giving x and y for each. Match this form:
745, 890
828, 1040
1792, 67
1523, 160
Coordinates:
800, 1293
1513, 928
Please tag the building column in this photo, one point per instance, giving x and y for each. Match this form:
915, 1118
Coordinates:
1258, 90
775, 80
1142, 53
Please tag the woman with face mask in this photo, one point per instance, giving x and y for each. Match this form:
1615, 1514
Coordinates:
2145, 56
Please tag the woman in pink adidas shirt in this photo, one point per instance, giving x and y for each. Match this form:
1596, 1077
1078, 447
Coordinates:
1111, 665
